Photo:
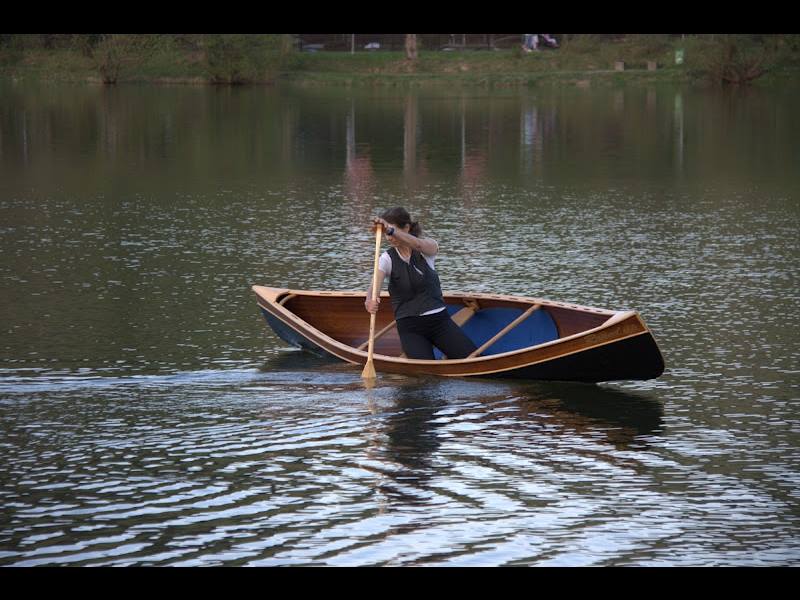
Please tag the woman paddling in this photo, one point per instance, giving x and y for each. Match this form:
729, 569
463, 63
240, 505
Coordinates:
419, 309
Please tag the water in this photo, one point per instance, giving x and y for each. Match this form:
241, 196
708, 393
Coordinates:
149, 417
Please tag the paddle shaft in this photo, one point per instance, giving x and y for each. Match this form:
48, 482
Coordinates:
369, 368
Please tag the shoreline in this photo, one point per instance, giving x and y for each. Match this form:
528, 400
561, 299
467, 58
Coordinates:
493, 69
579, 78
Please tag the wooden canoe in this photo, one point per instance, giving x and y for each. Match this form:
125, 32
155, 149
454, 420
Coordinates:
517, 337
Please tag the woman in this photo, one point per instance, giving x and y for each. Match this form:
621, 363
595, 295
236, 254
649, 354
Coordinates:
419, 309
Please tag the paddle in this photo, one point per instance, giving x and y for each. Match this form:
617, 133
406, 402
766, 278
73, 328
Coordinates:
369, 368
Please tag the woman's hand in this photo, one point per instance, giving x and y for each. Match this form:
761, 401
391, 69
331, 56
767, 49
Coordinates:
372, 305
378, 222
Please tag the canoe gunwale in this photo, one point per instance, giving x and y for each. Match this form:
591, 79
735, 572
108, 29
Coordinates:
270, 300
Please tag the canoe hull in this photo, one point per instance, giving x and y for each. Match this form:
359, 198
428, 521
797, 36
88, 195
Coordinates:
621, 348
634, 358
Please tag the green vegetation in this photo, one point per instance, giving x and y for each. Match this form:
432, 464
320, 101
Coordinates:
257, 59
241, 58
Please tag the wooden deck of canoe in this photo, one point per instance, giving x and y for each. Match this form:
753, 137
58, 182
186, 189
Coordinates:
516, 336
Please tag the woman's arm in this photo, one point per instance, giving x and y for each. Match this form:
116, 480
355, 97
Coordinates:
425, 245
372, 305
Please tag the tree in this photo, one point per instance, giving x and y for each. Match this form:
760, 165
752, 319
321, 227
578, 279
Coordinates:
411, 46
735, 59
111, 52
243, 58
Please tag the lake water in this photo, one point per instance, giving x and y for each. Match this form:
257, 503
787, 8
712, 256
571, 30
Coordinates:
149, 417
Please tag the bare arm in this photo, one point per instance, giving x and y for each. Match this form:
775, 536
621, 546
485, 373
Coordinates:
427, 246
370, 304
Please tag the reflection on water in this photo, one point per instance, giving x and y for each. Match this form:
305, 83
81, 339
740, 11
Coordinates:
149, 416
410, 442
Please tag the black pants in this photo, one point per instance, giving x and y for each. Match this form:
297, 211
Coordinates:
419, 335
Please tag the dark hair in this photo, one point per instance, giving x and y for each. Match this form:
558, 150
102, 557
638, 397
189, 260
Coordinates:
400, 217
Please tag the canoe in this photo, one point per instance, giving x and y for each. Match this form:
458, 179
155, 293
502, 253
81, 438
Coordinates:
516, 337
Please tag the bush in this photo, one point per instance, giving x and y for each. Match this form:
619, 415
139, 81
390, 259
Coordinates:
111, 52
11, 49
243, 58
581, 43
728, 59
86, 42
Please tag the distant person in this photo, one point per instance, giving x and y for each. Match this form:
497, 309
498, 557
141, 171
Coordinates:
550, 40
416, 293
531, 42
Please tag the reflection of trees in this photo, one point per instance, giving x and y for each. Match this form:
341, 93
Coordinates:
410, 131
359, 186
537, 129
473, 171
678, 122
102, 139
415, 168
474, 160
359, 174
360, 177
94, 140
359, 180
288, 122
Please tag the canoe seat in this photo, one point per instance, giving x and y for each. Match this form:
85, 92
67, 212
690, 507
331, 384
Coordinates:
537, 329
460, 317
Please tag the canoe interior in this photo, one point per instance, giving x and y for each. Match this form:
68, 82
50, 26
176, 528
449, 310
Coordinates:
344, 319
536, 329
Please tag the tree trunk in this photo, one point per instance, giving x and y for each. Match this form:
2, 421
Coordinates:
411, 46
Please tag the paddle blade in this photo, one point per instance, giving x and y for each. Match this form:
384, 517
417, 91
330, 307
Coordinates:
369, 382
369, 370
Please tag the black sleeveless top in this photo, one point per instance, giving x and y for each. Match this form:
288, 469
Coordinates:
413, 290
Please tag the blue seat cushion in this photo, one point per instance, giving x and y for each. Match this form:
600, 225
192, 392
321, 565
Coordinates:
536, 329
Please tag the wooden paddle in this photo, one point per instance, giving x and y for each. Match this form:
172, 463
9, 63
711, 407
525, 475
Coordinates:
369, 368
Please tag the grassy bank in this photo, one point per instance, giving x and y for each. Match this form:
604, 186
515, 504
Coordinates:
580, 61
492, 68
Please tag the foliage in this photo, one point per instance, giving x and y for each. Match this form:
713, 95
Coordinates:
112, 52
644, 47
243, 58
580, 43
11, 50
256, 58
86, 42
729, 59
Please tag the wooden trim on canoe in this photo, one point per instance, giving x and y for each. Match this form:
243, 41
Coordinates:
270, 293
286, 298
